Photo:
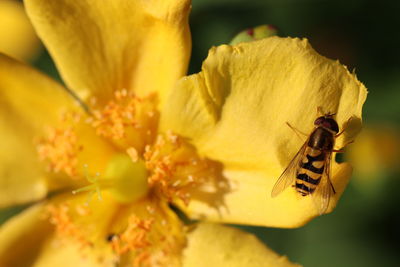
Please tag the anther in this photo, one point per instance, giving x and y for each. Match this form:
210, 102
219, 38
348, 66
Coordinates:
61, 149
175, 167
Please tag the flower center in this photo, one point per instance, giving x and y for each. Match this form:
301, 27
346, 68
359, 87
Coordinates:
128, 178
138, 158
127, 120
176, 169
125, 160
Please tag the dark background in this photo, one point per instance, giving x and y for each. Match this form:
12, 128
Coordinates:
364, 230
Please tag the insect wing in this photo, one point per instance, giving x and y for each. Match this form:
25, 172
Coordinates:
288, 177
322, 194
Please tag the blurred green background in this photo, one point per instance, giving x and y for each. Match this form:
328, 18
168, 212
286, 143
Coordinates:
364, 230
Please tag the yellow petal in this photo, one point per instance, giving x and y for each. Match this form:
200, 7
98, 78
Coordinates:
17, 37
215, 245
28, 240
28, 101
14, 241
69, 254
235, 111
249, 201
72, 230
103, 46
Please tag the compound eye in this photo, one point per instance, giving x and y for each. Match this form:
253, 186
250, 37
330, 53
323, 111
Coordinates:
327, 124
319, 121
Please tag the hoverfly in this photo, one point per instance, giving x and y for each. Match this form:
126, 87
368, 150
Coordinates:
309, 170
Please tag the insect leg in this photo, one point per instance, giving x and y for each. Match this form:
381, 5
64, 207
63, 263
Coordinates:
296, 131
338, 150
344, 127
341, 150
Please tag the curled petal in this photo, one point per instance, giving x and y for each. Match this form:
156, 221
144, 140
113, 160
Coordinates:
236, 111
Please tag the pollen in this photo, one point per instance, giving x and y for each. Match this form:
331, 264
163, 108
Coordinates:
176, 168
116, 115
126, 117
61, 149
65, 227
135, 239
133, 154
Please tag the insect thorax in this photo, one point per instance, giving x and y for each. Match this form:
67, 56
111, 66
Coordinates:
321, 139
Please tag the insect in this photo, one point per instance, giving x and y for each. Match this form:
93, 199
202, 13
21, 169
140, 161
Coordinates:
309, 170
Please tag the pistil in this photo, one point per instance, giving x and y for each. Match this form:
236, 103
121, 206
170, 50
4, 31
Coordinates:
125, 179
128, 178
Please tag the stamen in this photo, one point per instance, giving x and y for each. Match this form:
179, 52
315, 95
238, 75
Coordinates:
133, 154
61, 149
59, 217
175, 167
136, 239
152, 235
127, 119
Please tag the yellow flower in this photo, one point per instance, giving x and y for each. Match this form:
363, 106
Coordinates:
132, 135
17, 37
106, 143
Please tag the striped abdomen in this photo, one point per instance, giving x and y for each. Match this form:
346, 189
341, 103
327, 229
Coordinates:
310, 170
